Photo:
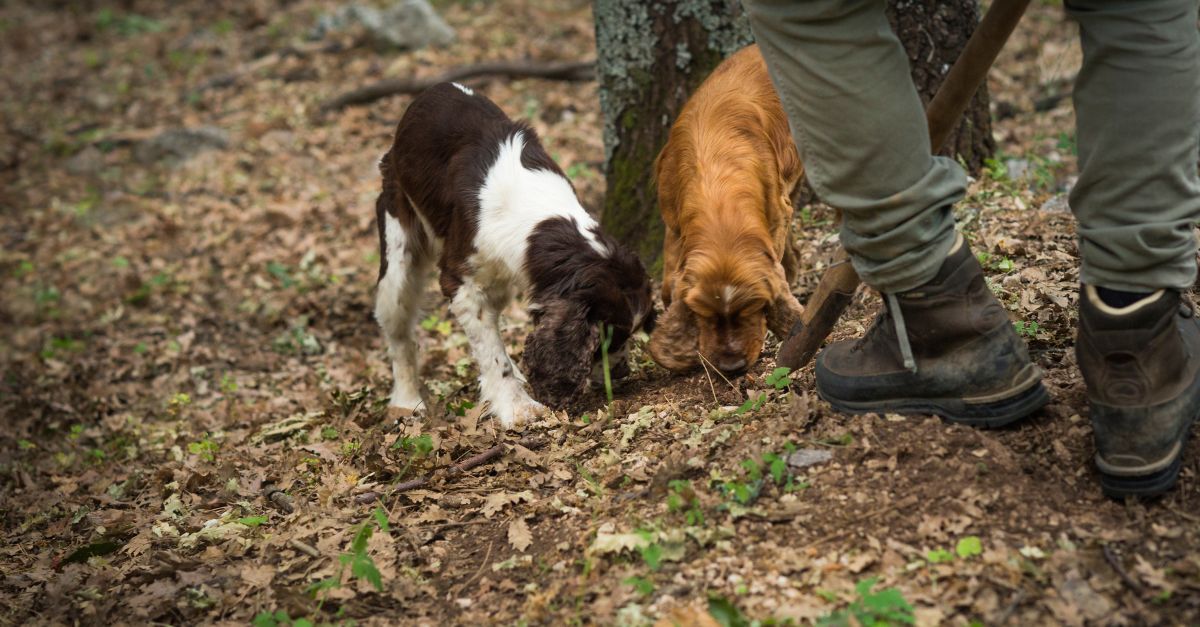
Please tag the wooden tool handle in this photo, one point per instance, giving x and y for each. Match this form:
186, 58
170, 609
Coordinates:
838, 283
833, 295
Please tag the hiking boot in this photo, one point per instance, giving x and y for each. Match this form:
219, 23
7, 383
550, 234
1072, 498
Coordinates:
946, 347
1141, 364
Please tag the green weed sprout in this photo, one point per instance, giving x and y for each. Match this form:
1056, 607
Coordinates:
606, 336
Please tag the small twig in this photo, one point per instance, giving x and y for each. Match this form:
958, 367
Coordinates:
304, 548
560, 70
719, 373
482, 566
712, 387
468, 463
366, 497
1111, 558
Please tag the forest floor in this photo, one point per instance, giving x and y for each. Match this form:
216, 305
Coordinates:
193, 390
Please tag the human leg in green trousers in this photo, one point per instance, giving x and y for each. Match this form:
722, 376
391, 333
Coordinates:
838, 70
943, 344
1137, 104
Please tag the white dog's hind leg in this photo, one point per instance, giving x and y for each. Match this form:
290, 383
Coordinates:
397, 309
500, 382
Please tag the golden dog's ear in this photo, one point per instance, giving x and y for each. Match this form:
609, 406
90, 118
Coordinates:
675, 342
784, 310
779, 134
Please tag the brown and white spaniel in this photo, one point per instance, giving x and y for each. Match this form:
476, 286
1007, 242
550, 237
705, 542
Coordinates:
467, 186
725, 179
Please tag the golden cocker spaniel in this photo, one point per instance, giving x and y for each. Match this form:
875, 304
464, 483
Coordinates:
725, 179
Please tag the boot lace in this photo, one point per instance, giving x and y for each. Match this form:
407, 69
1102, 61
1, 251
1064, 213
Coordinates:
902, 334
891, 311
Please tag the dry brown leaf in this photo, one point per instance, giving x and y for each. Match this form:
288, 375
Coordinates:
496, 501
519, 535
259, 576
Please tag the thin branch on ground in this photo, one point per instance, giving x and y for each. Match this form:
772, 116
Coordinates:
468, 463
556, 70
482, 566
1115, 563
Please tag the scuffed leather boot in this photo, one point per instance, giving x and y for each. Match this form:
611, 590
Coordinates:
1141, 364
944, 348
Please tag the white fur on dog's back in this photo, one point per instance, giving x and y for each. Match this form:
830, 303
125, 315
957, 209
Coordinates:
514, 199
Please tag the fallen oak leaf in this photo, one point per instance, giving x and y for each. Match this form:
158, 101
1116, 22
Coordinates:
526, 456
498, 500
519, 535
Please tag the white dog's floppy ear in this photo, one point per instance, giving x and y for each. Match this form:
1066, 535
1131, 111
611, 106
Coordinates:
675, 342
558, 354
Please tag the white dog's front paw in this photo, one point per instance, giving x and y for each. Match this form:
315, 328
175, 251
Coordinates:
404, 399
516, 408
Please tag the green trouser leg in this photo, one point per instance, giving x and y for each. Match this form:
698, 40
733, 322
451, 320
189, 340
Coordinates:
1137, 105
860, 128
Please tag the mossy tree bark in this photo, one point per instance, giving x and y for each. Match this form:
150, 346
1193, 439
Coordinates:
651, 56
933, 33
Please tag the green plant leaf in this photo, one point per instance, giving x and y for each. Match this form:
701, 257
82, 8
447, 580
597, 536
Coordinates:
359, 545
652, 556
252, 521
327, 583
889, 605
939, 556
381, 518
968, 547
725, 612
267, 619
778, 378
363, 567
777, 466
644, 586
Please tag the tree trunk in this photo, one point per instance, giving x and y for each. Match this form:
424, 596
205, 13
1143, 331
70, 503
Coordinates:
651, 56
933, 33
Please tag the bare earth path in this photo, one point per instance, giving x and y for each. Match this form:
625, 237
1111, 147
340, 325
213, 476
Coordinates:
192, 388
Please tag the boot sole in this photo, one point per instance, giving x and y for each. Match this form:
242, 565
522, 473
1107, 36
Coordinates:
1150, 485
989, 415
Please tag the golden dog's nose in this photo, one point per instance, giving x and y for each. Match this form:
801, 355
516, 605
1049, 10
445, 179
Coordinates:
732, 364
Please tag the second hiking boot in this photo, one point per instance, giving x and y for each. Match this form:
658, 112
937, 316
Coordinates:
945, 348
1141, 364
